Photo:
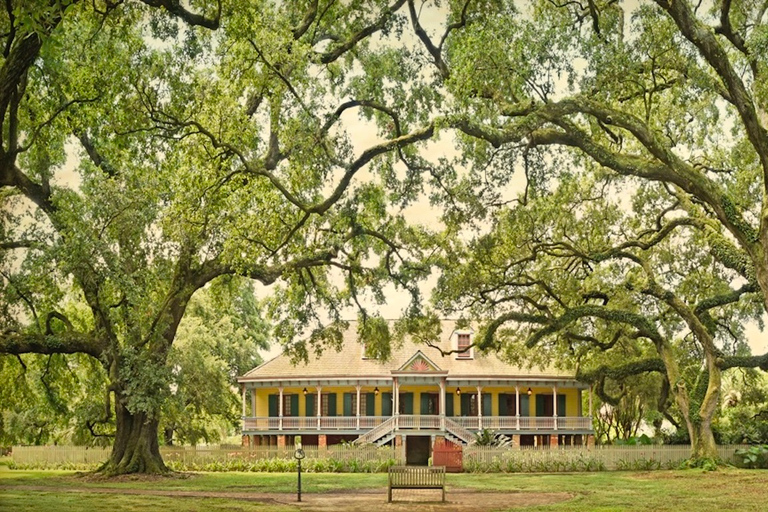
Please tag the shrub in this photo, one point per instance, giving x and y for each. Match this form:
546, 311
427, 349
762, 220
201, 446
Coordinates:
754, 457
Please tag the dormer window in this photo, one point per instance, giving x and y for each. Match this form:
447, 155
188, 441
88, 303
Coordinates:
463, 346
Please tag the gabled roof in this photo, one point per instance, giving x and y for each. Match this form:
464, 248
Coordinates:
419, 363
349, 362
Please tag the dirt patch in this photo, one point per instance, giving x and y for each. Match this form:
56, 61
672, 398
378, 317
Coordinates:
136, 477
363, 500
463, 500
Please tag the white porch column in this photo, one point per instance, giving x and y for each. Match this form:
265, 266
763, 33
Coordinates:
243, 420
395, 400
517, 407
319, 405
554, 405
357, 389
280, 408
480, 407
442, 404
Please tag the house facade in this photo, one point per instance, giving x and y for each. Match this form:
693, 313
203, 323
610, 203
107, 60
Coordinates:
415, 398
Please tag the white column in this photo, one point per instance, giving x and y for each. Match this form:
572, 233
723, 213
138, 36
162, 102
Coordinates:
357, 388
319, 405
442, 404
480, 407
280, 407
396, 400
517, 407
243, 420
554, 405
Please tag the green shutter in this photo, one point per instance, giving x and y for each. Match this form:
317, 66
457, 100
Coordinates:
309, 405
370, 404
331, 404
348, 398
449, 404
466, 404
294, 405
561, 405
386, 404
487, 404
407, 401
424, 403
273, 409
540, 405
525, 405
503, 411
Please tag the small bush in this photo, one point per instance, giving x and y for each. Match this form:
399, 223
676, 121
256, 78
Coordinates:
638, 465
704, 463
754, 457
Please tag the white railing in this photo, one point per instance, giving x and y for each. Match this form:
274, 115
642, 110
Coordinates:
261, 423
373, 421
377, 433
413, 422
537, 423
468, 422
499, 422
574, 423
299, 423
338, 423
416, 422
458, 431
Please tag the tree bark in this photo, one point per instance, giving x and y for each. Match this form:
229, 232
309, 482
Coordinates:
136, 448
703, 444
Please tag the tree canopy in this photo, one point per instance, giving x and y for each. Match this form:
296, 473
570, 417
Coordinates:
221, 138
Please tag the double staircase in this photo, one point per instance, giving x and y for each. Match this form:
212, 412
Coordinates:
383, 433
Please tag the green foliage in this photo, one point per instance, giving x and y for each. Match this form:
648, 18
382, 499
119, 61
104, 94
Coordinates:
754, 457
488, 437
529, 461
745, 409
643, 440
703, 463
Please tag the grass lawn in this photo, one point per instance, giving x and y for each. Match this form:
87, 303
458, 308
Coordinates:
726, 489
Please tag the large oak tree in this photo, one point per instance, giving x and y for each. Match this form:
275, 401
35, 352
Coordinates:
667, 92
205, 143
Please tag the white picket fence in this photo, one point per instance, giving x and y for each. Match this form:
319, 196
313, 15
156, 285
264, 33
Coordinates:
611, 456
53, 455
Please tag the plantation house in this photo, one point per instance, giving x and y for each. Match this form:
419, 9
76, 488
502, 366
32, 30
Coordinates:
415, 398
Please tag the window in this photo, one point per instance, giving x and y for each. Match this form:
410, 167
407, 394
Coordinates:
287, 403
363, 404
328, 404
465, 352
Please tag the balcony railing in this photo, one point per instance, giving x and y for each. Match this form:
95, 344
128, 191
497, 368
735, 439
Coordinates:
415, 422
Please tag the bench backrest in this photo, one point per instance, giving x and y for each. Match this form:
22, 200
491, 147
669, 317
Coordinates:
415, 475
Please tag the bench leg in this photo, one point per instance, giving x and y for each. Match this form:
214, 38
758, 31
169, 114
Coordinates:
443, 493
389, 494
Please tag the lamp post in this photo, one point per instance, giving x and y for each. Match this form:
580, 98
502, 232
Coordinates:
299, 454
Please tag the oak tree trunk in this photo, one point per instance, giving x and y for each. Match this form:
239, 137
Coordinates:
136, 448
703, 444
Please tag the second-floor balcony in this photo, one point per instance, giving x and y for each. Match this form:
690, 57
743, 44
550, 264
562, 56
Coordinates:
416, 422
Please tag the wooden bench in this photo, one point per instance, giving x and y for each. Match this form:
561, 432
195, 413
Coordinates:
416, 477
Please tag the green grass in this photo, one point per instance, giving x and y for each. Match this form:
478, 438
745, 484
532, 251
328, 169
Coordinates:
726, 489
